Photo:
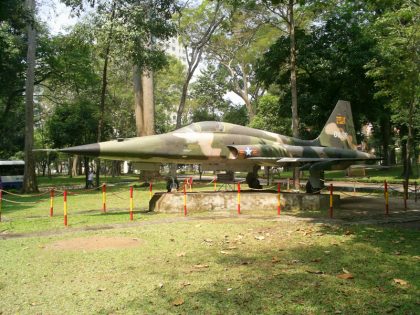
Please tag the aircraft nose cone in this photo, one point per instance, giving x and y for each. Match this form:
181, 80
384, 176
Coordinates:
88, 149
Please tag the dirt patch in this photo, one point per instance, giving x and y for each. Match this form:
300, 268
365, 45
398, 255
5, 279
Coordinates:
95, 243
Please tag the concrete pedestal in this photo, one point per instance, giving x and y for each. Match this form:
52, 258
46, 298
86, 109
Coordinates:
250, 200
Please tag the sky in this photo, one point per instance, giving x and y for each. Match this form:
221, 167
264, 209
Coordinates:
56, 15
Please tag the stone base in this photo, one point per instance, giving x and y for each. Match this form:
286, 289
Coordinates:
226, 201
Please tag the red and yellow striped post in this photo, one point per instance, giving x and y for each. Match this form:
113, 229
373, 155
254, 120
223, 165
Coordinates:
1, 200
331, 201
65, 207
386, 198
215, 183
131, 203
239, 198
51, 202
185, 200
104, 197
150, 190
278, 199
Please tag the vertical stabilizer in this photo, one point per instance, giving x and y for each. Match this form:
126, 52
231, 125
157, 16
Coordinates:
339, 130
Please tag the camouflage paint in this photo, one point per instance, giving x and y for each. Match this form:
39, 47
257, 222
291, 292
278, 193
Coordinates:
225, 146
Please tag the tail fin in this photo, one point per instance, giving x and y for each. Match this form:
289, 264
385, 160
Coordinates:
339, 131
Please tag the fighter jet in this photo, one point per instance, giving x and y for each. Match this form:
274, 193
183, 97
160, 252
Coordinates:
230, 147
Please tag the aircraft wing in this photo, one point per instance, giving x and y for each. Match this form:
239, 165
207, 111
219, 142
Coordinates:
314, 163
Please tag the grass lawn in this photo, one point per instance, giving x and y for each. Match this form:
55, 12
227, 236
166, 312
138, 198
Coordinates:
199, 264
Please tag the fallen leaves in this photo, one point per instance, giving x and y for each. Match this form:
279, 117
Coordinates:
178, 302
275, 260
208, 242
401, 282
259, 237
316, 272
181, 254
345, 276
346, 271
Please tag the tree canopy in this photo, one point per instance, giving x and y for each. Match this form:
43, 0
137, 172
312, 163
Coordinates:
365, 52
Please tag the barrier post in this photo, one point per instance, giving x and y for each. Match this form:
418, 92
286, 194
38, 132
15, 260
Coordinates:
405, 185
51, 202
185, 200
1, 200
215, 183
239, 198
150, 190
104, 197
415, 191
65, 207
288, 184
331, 201
386, 198
278, 199
191, 183
131, 203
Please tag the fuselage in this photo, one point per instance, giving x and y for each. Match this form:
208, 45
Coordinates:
217, 145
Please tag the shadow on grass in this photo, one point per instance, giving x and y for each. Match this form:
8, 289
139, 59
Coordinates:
302, 279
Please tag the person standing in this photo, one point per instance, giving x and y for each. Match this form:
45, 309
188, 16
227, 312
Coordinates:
90, 179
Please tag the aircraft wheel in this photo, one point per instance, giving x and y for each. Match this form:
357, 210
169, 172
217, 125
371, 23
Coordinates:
309, 188
253, 182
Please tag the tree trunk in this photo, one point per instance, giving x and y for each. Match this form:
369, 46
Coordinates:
74, 166
86, 163
103, 91
407, 157
148, 104
29, 179
182, 104
138, 100
144, 109
248, 104
293, 85
386, 136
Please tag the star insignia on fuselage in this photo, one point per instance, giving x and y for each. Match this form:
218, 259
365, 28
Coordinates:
248, 151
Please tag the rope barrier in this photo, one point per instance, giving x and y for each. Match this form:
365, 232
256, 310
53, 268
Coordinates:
261, 189
204, 185
22, 202
357, 196
25, 196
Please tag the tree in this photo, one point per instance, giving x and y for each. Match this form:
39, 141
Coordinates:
208, 93
168, 89
196, 25
270, 115
237, 47
284, 11
396, 70
29, 179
